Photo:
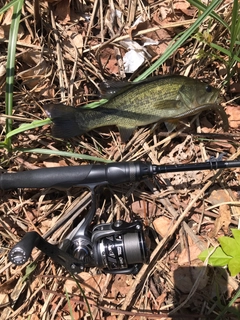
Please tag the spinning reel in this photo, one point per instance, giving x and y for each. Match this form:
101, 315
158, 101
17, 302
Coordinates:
119, 247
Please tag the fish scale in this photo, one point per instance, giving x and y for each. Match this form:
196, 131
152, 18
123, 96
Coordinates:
157, 99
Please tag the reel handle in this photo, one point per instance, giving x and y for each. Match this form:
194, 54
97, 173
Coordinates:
21, 252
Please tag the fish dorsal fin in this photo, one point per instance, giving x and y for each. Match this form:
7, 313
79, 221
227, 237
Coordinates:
110, 89
125, 133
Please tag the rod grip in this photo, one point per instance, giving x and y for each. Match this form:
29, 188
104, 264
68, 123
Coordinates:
45, 177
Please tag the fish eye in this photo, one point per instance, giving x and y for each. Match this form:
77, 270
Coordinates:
208, 88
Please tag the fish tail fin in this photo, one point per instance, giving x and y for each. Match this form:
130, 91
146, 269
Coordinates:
64, 120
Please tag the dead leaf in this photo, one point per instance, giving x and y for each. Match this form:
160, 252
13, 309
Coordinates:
45, 225
70, 285
234, 116
222, 221
4, 32
78, 42
143, 208
27, 40
192, 252
93, 284
72, 306
185, 277
5, 29
138, 27
73, 42
219, 196
31, 58
34, 77
224, 218
182, 152
85, 276
7, 18
108, 60
220, 145
181, 5
34, 317
161, 299
235, 87
120, 286
8, 285
2, 69
54, 1
162, 225
161, 38
184, 6
62, 11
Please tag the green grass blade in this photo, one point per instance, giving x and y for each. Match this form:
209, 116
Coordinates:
84, 296
95, 104
236, 57
28, 126
220, 49
180, 41
17, 8
234, 25
233, 57
29, 270
63, 154
226, 309
8, 6
200, 6
39, 123
69, 305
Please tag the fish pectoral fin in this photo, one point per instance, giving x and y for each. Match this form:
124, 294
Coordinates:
166, 105
125, 133
171, 126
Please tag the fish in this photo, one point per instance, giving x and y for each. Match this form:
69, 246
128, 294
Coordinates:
156, 99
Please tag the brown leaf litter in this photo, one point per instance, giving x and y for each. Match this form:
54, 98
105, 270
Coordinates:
64, 51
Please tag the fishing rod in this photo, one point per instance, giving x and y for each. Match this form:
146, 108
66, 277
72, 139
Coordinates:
118, 247
95, 174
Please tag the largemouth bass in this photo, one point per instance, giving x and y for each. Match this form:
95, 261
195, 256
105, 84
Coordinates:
161, 98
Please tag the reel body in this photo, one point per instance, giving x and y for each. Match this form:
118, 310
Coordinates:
118, 247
